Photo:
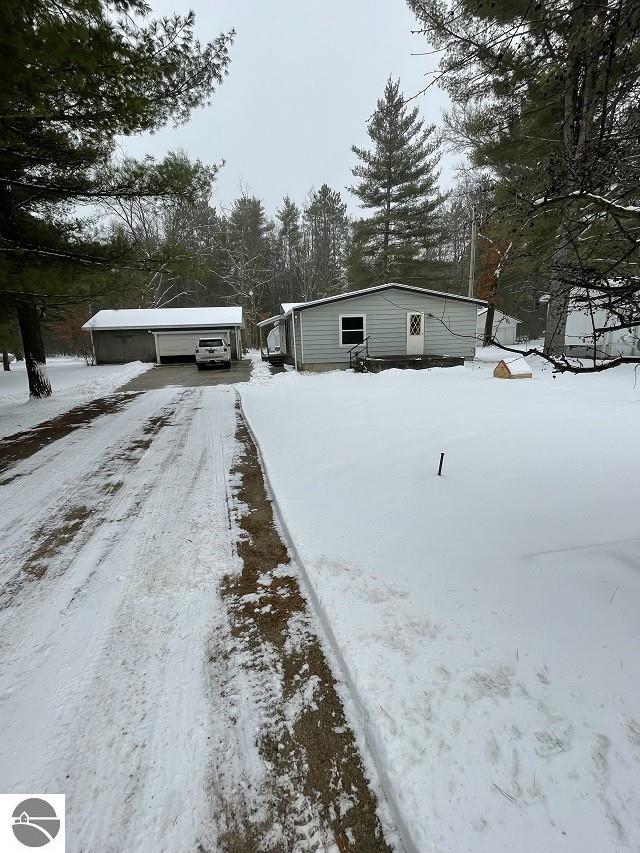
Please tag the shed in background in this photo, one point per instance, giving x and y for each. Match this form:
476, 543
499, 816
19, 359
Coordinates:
505, 327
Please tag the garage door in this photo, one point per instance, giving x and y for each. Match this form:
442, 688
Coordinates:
183, 344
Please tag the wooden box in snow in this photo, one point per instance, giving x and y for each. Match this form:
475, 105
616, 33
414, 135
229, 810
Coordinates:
515, 368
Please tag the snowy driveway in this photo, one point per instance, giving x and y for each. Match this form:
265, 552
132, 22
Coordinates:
109, 590
160, 666
188, 376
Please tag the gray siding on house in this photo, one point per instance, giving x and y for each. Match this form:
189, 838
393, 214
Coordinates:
450, 331
122, 345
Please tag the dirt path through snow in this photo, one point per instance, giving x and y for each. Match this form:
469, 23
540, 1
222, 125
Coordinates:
315, 795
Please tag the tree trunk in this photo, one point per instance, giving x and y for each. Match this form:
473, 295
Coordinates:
492, 299
33, 346
558, 308
5, 360
488, 325
554, 336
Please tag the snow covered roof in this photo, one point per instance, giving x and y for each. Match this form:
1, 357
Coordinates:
518, 366
287, 307
165, 318
484, 310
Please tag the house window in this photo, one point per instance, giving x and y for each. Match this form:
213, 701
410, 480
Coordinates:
353, 329
415, 324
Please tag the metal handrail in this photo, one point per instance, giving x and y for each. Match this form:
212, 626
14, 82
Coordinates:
364, 348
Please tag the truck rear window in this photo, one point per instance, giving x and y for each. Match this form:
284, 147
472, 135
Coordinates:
211, 342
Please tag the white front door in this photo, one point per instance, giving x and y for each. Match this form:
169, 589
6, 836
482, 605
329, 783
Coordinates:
415, 333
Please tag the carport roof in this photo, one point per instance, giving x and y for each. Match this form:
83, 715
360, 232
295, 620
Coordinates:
165, 318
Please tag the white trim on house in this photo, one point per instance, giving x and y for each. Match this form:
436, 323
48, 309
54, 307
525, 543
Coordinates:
341, 331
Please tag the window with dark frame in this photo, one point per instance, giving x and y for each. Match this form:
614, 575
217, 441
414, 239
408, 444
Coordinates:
415, 324
352, 330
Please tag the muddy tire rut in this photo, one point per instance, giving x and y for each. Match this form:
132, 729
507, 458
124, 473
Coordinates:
79, 518
319, 797
21, 445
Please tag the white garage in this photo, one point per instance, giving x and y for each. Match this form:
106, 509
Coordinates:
162, 335
176, 345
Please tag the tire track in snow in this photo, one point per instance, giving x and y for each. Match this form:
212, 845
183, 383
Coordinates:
53, 546
109, 683
26, 443
44, 481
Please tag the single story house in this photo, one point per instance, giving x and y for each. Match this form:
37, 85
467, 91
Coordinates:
505, 327
161, 334
390, 320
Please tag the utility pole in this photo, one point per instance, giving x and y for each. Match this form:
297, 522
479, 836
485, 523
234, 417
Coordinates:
472, 256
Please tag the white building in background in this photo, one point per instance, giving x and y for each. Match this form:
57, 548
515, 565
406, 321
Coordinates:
579, 337
505, 327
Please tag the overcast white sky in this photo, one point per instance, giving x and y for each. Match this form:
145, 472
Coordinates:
304, 78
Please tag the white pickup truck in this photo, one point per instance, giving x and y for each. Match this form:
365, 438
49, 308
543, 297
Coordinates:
212, 351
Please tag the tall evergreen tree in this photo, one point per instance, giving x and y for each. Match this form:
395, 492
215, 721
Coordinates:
326, 234
76, 75
248, 258
399, 185
289, 249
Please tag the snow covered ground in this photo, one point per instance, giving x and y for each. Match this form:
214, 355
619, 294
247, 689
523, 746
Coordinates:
109, 595
140, 578
72, 381
487, 619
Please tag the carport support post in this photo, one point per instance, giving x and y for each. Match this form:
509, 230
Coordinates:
295, 348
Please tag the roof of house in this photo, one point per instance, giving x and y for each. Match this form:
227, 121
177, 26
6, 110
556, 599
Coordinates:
287, 307
165, 318
485, 308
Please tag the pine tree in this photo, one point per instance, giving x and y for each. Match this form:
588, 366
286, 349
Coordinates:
289, 248
326, 230
77, 74
399, 185
248, 259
